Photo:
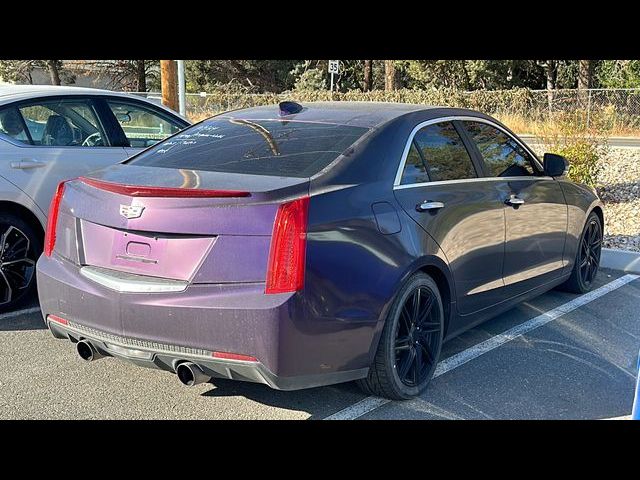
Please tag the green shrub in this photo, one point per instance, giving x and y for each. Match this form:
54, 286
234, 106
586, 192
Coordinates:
583, 156
581, 144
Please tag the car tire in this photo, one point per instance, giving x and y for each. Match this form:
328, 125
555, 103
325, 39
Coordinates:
408, 337
587, 262
20, 247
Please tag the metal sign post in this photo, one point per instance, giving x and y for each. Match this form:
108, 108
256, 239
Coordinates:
334, 69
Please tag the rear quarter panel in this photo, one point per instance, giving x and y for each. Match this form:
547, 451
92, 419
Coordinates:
353, 270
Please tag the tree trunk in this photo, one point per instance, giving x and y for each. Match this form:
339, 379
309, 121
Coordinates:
585, 72
552, 73
141, 76
54, 71
389, 76
169, 81
368, 75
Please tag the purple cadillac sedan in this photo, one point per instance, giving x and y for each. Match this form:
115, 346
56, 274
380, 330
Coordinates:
305, 245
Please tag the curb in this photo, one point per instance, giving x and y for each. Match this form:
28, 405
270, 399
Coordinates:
624, 260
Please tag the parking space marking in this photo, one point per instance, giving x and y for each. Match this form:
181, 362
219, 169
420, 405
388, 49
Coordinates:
17, 313
371, 403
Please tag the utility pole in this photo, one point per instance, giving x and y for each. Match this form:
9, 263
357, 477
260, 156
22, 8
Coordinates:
169, 81
182, 88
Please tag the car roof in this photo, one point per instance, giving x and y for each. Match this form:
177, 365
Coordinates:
11, 93
359, 114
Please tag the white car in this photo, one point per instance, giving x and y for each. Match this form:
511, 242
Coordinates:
49, 134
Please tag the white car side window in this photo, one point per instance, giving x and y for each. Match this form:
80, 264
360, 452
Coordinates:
12, 125
63, 123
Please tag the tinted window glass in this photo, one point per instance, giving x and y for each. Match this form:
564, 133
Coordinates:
63, 123
444, 153
259, 147
12, 125
502, 155
142, 126
414, 168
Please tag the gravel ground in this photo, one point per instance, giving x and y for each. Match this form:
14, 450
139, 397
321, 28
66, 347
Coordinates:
619, 189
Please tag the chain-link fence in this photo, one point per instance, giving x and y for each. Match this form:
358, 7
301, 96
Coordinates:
617, 110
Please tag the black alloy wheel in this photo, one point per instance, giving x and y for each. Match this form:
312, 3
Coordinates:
410, 343
417, 337
19, 251
587, 260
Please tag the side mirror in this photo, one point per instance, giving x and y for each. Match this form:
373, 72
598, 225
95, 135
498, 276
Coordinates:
555, 165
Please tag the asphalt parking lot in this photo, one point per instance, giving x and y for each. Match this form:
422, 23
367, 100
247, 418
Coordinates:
560, 356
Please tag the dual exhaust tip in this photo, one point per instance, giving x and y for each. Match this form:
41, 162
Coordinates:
188, 373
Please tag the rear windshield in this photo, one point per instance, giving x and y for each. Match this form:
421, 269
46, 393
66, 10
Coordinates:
259, 147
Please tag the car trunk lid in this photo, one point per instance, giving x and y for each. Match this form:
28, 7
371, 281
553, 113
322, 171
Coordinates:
184, 225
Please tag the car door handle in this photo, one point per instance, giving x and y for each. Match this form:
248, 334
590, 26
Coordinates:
514, 201
424, 206
26, 164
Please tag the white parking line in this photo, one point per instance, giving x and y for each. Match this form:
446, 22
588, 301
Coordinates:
371, 403
4, 316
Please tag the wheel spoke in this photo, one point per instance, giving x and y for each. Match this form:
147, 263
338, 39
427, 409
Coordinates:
427, 352
406, 318
417, 366
405, 364
402, 343
426, 309
6, 293
28, 261
430, 327
593, 270
416, 305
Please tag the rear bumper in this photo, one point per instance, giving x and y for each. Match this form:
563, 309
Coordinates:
161, 330
168, 357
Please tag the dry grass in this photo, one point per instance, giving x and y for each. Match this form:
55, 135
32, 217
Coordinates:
600, 124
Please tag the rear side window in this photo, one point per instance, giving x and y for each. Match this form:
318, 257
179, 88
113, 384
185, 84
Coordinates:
501, 154
415, 170
257, 147
444, 154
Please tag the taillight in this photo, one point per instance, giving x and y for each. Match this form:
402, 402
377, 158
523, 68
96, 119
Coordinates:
52, 221
285, 270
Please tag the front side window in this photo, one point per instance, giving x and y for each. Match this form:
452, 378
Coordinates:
501, 153
12, 125
141, 125
445, 155
63, 123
